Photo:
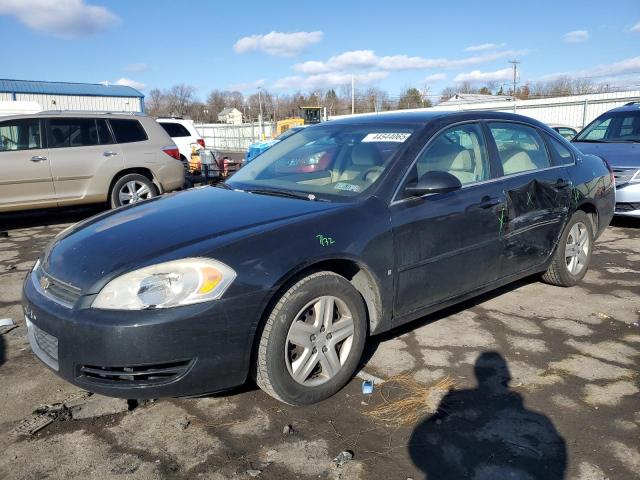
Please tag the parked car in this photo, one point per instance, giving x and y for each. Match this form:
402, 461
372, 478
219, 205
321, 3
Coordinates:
615, 137
54, 159
565, 130
257, 148
412, 213
184, 135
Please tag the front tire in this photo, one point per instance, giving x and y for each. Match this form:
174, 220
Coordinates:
131, 188
312, 341
573, 253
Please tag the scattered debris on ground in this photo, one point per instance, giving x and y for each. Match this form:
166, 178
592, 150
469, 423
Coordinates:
343, 457
405, 400
288, 430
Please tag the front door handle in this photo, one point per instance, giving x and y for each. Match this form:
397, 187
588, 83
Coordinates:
488, 202
109, 153
38, 158
562, 183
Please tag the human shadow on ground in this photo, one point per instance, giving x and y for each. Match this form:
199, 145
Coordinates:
486, 433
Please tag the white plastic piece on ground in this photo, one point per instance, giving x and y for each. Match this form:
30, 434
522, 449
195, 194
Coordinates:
6, 322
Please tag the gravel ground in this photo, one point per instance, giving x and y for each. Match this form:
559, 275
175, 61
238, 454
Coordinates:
539, 382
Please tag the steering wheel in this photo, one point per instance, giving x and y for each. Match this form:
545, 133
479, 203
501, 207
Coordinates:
368, 171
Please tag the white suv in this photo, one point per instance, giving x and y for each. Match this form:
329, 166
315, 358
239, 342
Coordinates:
184, 134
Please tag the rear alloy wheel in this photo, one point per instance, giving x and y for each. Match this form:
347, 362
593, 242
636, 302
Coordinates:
132, 188
312, 341
573, 253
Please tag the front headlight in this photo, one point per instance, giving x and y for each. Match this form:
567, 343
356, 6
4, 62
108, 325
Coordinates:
169, 284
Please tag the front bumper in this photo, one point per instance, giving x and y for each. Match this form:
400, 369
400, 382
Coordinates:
182, 351
628, 200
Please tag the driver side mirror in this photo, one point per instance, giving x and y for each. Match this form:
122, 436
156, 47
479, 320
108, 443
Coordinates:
433, 182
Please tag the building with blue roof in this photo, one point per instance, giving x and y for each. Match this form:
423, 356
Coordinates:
73, 96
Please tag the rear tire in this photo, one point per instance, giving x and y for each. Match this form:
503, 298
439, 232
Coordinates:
573, 253
131, 188
310, 361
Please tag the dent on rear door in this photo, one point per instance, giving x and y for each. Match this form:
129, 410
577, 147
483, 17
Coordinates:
534, 215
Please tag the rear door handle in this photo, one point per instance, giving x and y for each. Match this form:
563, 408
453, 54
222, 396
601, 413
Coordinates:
38, 158
488, 202
109, 153
562, 183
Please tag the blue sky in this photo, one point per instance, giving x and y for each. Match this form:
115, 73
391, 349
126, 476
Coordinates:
390, 45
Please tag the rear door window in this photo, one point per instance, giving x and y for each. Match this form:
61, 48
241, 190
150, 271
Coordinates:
520, 147
175, 129
560, 153
104, 134
127, 131
72, 132
20, 135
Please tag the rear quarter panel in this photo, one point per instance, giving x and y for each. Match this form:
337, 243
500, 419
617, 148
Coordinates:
593, 187
167, 171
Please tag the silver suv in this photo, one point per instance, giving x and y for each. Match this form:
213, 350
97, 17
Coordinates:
54, 159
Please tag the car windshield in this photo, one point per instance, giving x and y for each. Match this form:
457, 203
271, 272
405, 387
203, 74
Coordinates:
327, 162
613, 127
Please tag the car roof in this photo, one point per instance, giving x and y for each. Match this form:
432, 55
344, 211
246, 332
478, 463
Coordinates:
74, 114
627, 107
426, 116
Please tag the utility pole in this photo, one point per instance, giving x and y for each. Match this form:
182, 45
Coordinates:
515, 74
353, 95
261, 122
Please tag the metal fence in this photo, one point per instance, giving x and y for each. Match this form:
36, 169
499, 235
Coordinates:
234, 138
576, 110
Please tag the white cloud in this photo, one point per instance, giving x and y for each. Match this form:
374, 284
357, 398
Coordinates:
577, 36
636, 28
484, 47
364, 59
61, 18
278, 43
126, 82
244, 86
436, 77
610, 70
136, 67
326, 80
477, 76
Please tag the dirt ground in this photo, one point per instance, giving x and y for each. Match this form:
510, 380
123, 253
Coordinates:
541, 383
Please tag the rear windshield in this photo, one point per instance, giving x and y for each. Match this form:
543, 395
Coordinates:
613, 127
127, 131
175, 130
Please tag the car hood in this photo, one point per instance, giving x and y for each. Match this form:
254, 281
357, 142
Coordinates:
163, 229
619, 155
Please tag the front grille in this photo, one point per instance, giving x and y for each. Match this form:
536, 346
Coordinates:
47, 343
627, 207
623, 175
55, 289
140, 375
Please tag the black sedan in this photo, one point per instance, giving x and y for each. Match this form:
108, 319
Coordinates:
345, 230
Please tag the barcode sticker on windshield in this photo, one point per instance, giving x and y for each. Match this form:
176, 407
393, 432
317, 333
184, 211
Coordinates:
386, 137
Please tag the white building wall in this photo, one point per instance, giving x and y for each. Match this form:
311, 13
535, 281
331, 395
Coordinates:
5, 97
80, 102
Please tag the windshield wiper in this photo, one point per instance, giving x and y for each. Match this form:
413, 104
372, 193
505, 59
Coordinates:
224, 185
285, 193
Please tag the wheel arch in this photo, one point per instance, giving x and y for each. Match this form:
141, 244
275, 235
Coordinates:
592, 212
145, 172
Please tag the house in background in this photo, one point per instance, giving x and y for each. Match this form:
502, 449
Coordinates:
231, 116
